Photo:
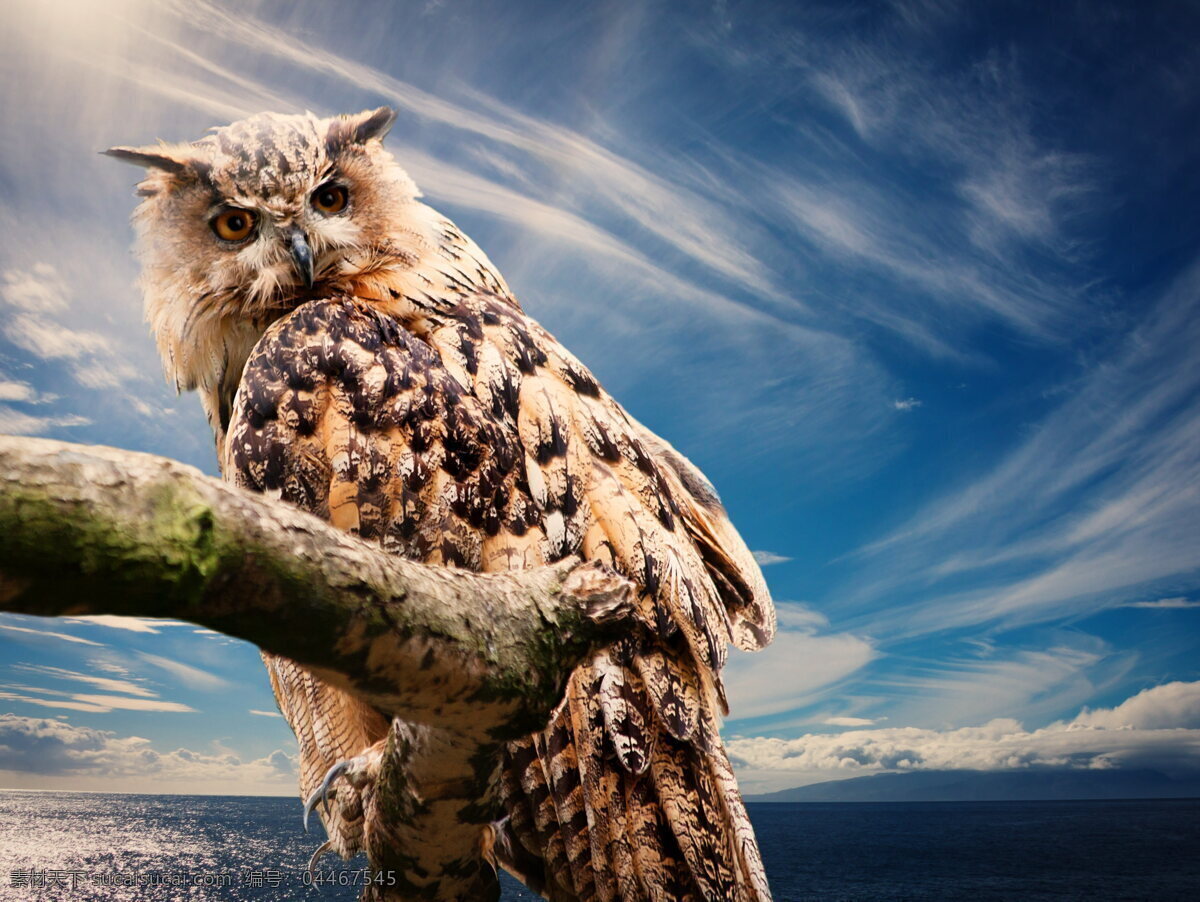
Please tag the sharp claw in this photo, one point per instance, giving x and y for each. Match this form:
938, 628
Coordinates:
326, 846
322, 792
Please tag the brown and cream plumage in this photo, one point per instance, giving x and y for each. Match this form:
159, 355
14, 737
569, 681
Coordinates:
360, 357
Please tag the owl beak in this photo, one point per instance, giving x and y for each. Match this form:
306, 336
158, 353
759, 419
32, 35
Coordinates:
302, 255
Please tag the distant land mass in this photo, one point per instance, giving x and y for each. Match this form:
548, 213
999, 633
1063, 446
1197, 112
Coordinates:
986, 786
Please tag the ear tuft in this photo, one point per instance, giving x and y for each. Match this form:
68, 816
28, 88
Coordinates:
374, 124
156, 157
360, 128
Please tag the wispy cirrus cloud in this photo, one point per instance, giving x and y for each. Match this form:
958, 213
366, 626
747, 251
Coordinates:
134, 696
684, 220
38, 305
801, 666
8, 624
967, 683
93, 703
108, 684
976, 119
1175, 603
1036, 683
656, 232
16, 422
131, 624
921, 196
1098, 503
192, 677
848, 721
767, 558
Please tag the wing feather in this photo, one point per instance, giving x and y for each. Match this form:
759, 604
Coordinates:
730, 564
625, 708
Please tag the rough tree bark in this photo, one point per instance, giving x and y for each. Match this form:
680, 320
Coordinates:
94, 530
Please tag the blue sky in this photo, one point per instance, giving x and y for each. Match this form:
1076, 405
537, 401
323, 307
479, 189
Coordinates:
915, 283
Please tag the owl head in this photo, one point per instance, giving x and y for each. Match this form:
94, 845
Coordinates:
243, 225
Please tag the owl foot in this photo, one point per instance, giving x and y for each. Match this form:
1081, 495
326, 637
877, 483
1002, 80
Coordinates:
321, 794
358, 772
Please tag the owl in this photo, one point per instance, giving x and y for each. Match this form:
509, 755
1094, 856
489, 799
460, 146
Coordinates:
357, 355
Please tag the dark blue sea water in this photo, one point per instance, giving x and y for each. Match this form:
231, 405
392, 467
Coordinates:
160, 848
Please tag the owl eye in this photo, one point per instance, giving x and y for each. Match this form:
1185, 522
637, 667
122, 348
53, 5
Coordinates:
233, 224
330, 199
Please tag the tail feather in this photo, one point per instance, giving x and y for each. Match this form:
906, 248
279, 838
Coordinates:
676, 830
612, 863
526, 759
566, 790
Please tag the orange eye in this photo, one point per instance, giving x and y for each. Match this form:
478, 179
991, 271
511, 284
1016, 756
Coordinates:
330, 199
234, 224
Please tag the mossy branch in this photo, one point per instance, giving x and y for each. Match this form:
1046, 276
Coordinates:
95, 530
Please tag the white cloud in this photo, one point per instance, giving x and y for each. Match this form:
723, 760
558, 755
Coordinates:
133, 624
946, 259
39, 322
794, 669
16, 391
108, 373
794, 615
767, 558
1163, 604
40, 289
65, 703
906, 404
192, 677
14, 422
1159, 727
50, 340
108, 684
142, 699
120, 703
1169, 706
848, 721
12, 627
55, 753
265, 713
836, 91
98, 704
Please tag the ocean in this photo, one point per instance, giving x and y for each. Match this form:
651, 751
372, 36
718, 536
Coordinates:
92, 846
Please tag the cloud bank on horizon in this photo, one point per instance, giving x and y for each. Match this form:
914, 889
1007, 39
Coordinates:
925, 287
1158, 728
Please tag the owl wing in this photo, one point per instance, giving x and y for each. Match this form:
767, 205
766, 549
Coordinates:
279, 441
473, 439
628, 794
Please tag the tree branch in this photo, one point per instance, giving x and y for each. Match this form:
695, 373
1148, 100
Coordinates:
94, 530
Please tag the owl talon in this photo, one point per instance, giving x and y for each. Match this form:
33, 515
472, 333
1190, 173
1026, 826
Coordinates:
322, 792
325, 848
